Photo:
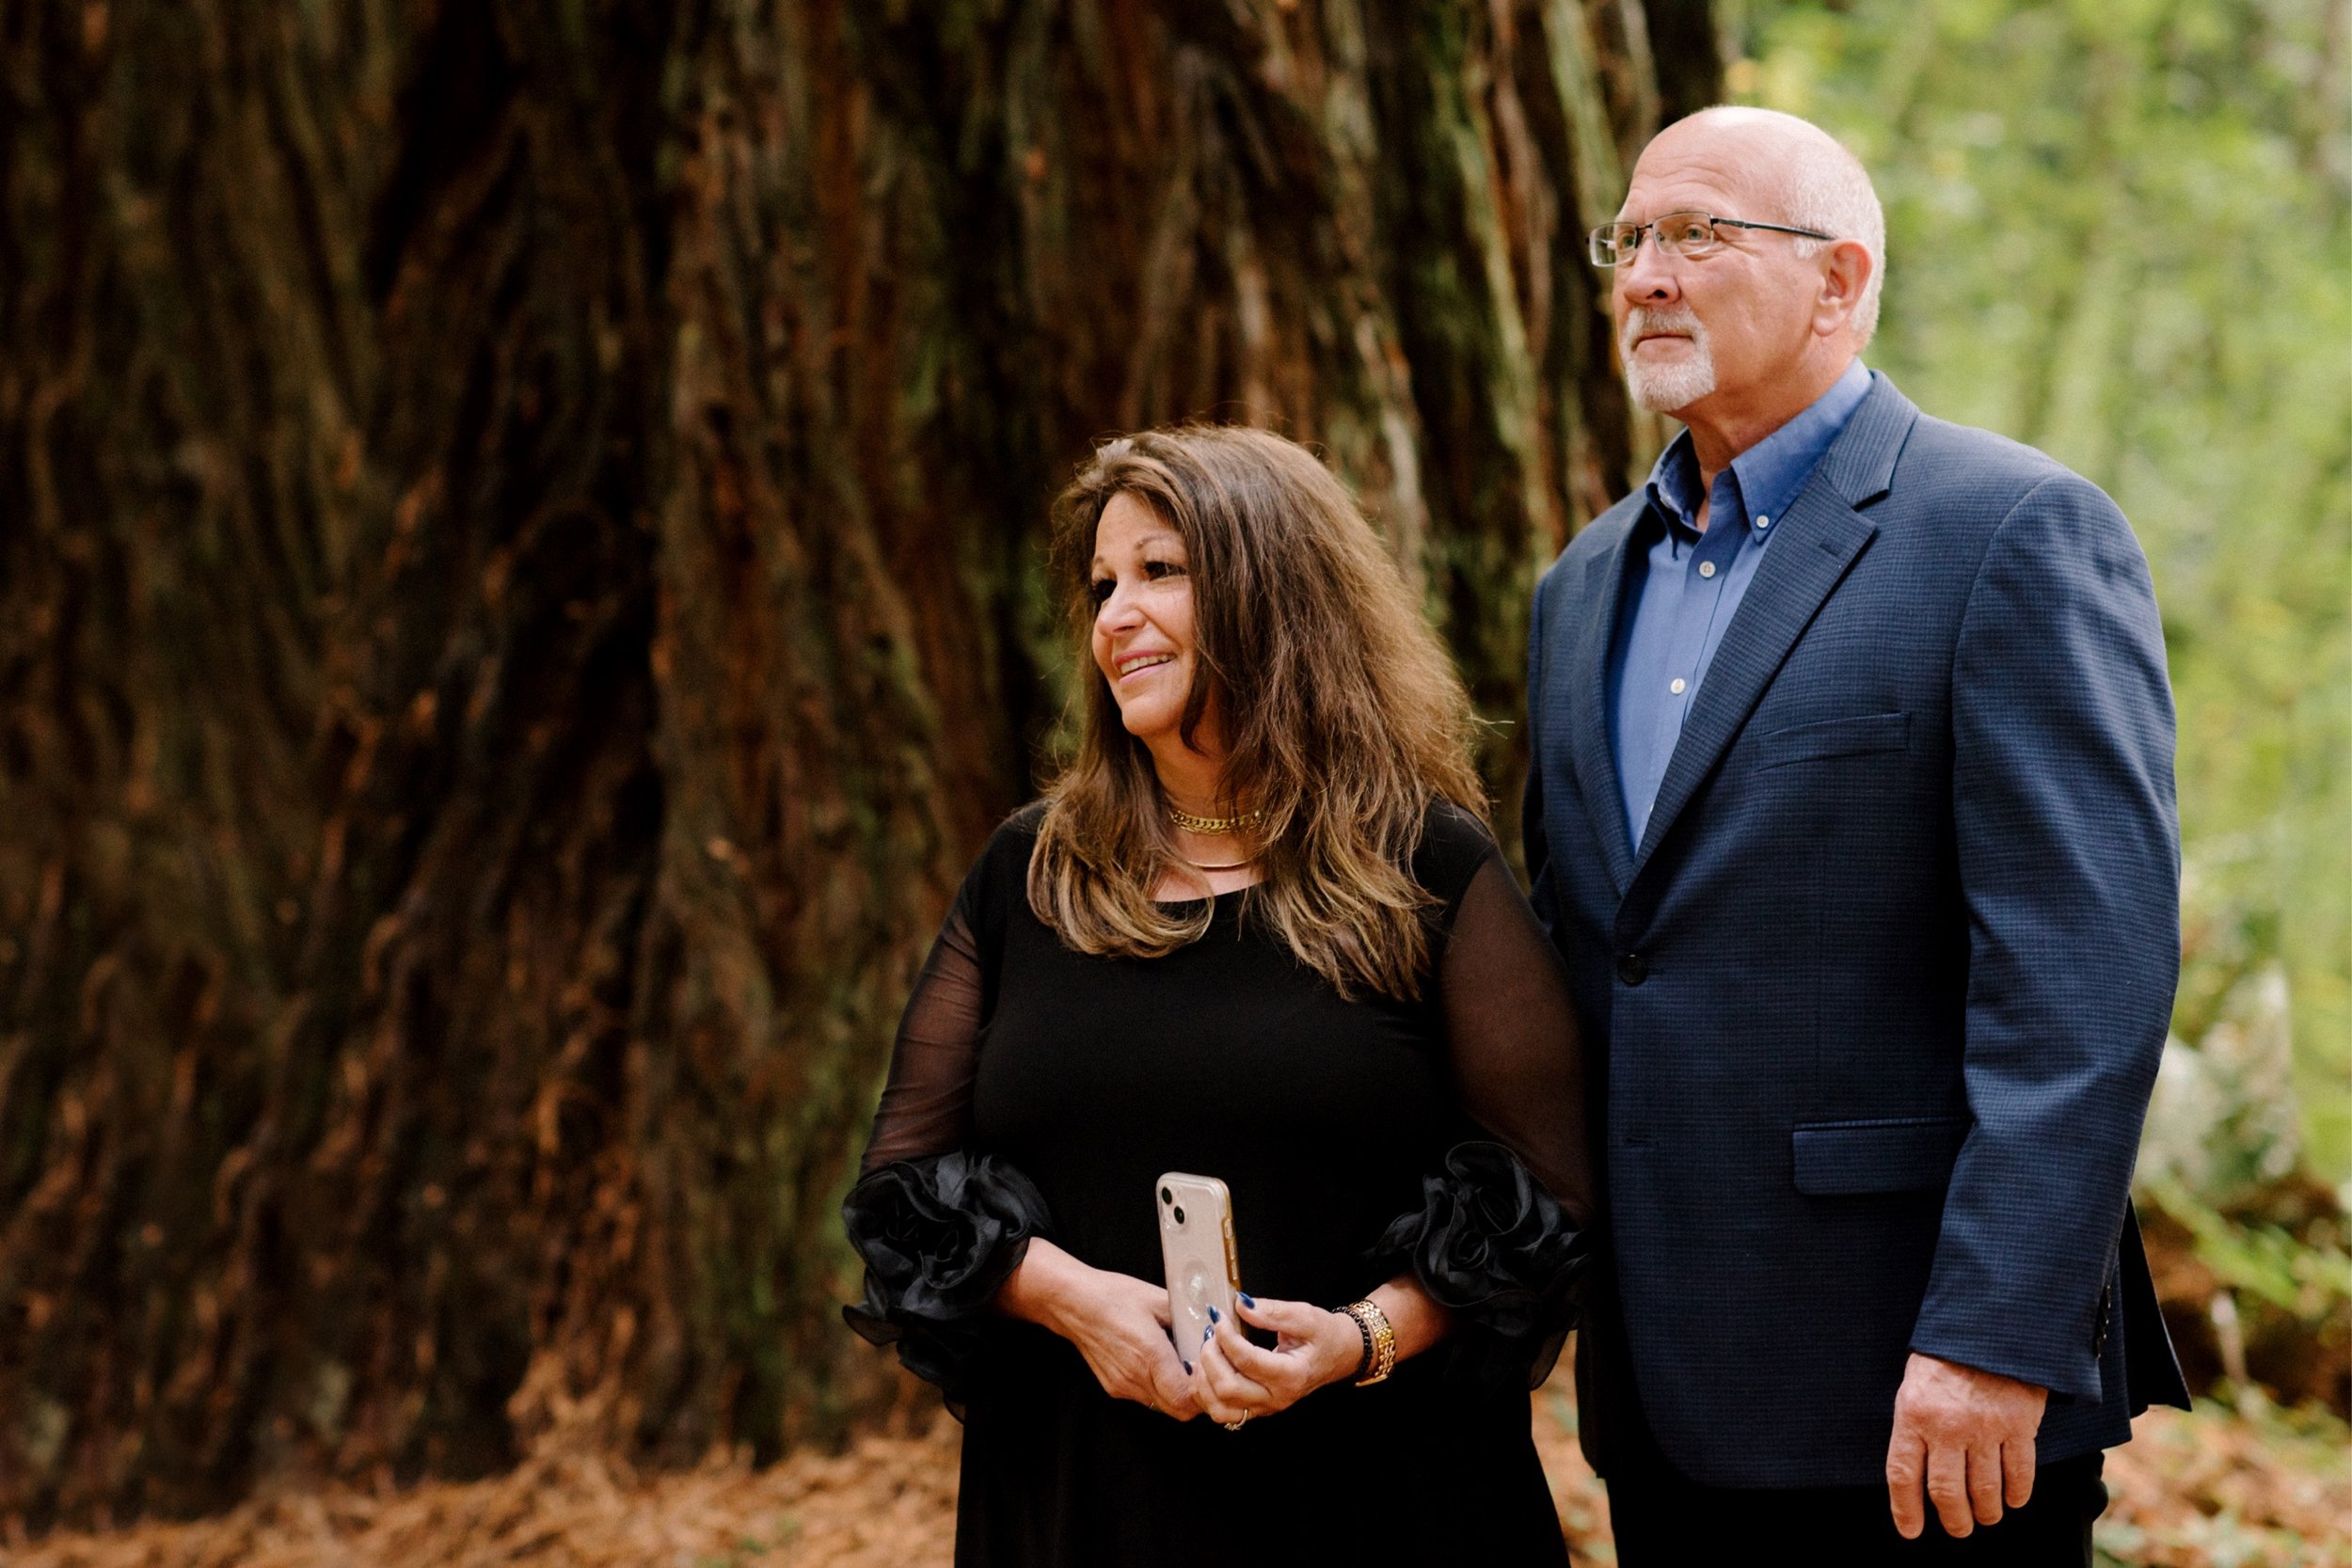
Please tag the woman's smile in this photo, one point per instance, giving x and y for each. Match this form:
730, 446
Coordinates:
1143, 621
1131, 665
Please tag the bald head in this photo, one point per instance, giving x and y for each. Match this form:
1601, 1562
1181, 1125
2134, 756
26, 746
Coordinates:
1791, 171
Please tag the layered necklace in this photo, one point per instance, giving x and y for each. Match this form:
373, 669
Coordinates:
1215, 827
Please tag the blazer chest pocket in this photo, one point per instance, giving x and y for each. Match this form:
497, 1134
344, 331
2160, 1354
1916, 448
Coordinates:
1901, 1154
1834, 737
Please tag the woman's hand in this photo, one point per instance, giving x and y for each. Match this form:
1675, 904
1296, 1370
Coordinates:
1236, 1380
1118, 1324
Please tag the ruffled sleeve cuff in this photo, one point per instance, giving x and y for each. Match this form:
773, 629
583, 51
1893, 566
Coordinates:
939, 1235
1497, 1251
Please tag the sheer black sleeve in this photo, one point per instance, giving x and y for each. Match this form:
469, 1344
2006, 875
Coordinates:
1519, 1064
1498, 1239
940, 1227
926, 1102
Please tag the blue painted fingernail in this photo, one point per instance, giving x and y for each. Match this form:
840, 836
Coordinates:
1212, 1317
1187, 1365
1205, 1334
1250, 1301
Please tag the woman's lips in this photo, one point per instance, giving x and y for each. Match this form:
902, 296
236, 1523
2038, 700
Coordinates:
1135, 664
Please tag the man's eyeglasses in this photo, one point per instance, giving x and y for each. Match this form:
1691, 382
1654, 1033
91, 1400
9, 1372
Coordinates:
1679, 234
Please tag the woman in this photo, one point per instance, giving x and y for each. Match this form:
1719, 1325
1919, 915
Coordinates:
1257, 931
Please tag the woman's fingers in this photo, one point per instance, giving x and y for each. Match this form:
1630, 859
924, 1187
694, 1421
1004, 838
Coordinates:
1228, 1393
1269, 1368
1175, 1393
1316, 1346
1294, 1318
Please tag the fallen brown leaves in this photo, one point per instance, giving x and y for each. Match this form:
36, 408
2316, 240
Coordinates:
2214, 1488
888, 1503
2258, 1487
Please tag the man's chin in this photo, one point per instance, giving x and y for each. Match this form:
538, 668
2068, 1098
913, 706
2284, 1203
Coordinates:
1670, 393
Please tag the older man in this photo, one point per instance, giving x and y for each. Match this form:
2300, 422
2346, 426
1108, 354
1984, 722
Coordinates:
1851, 806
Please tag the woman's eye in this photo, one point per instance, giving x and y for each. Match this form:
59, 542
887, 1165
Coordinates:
1100, 589
1162, 570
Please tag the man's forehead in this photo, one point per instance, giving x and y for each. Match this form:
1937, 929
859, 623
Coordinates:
1697, 167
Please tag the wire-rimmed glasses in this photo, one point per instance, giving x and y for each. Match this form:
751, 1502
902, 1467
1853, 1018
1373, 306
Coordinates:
1612, 244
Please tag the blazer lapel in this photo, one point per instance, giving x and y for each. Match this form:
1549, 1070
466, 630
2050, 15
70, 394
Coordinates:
1818, 540
1588, 687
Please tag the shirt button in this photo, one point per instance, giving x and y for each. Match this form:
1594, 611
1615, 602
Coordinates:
1763, 520
1632, 968
1706, 568
1678, 684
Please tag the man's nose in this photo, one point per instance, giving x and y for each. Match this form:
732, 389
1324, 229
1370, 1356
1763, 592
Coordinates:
1648, 275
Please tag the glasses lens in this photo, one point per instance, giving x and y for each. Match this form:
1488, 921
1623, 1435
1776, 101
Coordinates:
1613, 243
1686, 233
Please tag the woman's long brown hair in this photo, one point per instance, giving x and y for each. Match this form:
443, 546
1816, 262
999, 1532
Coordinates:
1342, 714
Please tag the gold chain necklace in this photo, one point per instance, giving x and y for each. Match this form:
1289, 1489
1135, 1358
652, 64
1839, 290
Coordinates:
1212, 826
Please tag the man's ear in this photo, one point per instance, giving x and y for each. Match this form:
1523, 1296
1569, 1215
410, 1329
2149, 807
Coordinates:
1846, 268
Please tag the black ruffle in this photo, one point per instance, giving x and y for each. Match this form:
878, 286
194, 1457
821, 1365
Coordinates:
1497, 1251
939, 1235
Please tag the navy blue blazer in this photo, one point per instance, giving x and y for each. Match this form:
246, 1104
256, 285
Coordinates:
1875, 1007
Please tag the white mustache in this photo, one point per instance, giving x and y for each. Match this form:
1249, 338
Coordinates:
1644, 319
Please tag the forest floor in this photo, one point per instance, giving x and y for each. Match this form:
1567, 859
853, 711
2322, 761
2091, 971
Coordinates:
2252, 1487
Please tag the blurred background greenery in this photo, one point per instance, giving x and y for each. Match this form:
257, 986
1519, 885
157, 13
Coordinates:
2122, 231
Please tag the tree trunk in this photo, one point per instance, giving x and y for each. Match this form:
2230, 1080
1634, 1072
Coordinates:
518, 526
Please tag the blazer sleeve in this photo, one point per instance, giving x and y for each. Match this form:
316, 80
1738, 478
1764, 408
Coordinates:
2067, 845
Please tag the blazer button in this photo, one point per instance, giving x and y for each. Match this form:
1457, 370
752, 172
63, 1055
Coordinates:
1632, 969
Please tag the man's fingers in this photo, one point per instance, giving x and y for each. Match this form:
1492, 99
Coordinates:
1906, 1464
1948, 1488
2017, 1465
1984, 1483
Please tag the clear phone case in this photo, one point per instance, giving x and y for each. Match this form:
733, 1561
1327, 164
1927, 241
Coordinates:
1197, 1254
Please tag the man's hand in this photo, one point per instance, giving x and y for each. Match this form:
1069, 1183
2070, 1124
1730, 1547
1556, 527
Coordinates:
1969, 1435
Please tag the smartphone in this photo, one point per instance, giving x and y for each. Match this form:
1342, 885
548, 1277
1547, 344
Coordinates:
1197, 1256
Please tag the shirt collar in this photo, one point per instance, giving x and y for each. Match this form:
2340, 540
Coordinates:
1767, 476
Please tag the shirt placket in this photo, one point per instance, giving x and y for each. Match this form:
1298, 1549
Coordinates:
1706, 569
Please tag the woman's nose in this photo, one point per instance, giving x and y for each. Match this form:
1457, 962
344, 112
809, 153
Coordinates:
1117, 612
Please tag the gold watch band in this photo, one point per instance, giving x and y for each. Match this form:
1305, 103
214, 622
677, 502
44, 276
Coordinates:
1374, 1324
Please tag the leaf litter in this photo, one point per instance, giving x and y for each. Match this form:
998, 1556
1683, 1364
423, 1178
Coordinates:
2253, 1487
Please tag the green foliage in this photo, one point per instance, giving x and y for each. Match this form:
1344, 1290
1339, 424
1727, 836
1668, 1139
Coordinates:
2122, 231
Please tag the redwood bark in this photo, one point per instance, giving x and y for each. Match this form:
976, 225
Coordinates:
519, 527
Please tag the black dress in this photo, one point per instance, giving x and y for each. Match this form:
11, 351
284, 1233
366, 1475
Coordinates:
1038, 1091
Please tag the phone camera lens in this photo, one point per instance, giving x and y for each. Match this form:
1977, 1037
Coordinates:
1180, 1214
1166, 1197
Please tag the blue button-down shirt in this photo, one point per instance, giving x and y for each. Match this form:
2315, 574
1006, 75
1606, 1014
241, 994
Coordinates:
1682, 588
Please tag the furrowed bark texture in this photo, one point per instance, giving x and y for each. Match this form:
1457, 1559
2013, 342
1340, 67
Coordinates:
518, 597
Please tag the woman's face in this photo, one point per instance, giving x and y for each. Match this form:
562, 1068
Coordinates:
1143, 629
